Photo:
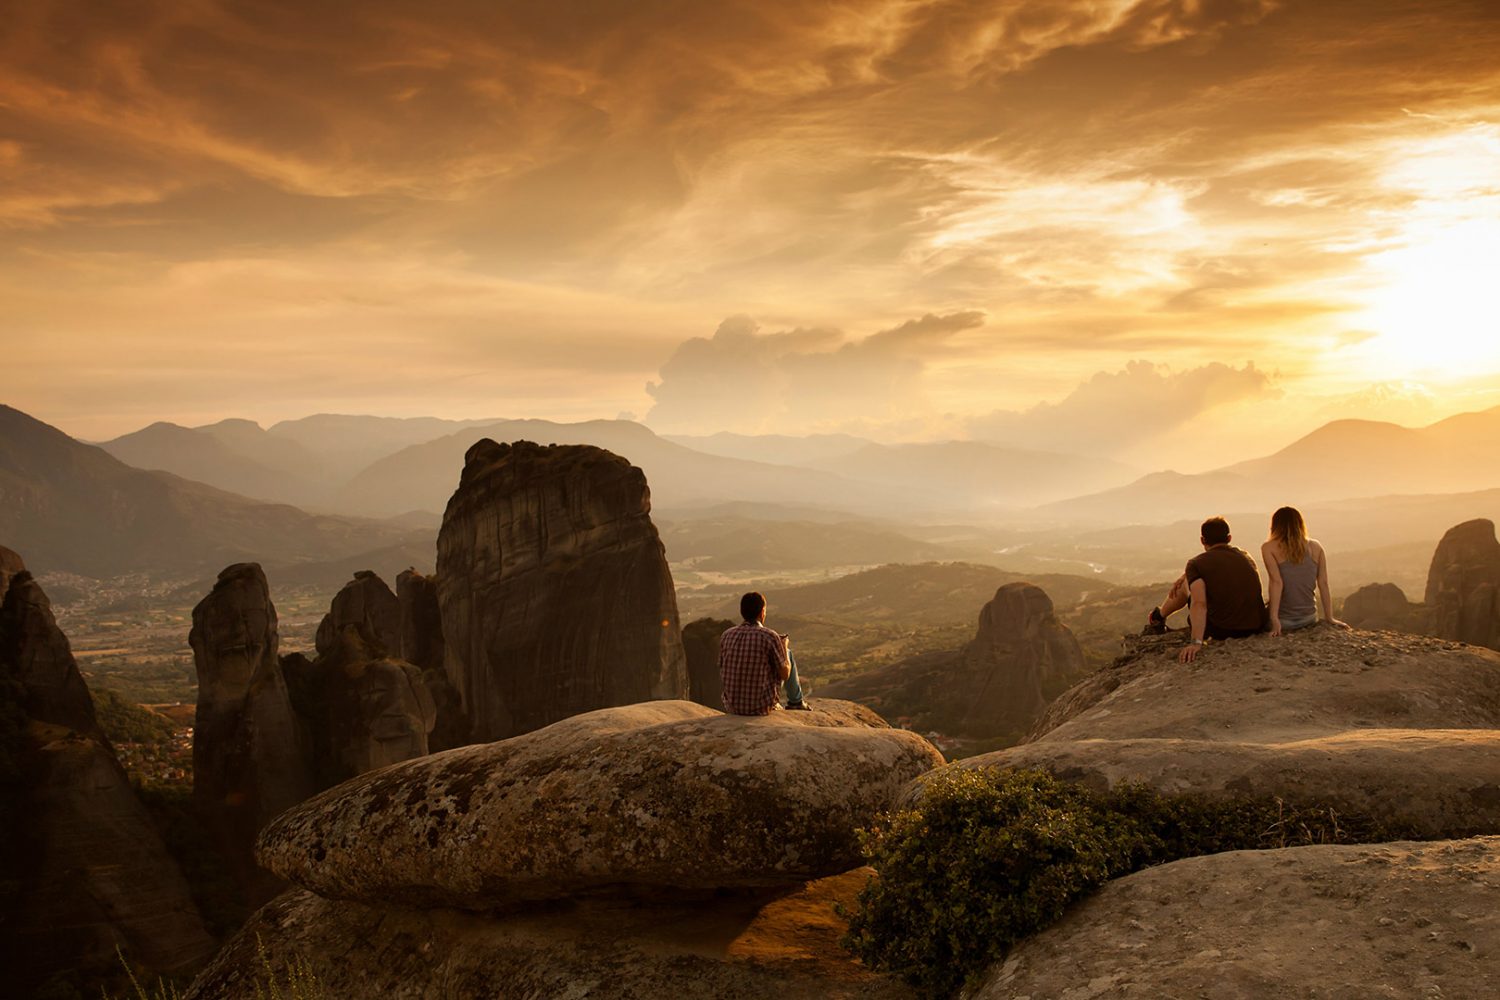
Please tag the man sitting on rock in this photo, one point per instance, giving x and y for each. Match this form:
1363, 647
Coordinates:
753, 661
1221, 589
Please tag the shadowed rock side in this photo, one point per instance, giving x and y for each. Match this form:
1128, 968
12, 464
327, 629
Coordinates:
250, 756
1403, 729
10, 565
736, 947
83, 868
1384, 606
422, 646
700, 642
1020, 658
1387, 920
661, 795
366, 604
1463, 584
554, 588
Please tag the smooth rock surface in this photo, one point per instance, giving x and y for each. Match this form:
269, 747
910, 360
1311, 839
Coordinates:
422, 645
662, 795
1397, 921
555, 593
739, 947
700, 642
1398, 728
34, 651
1463, 584
251, 758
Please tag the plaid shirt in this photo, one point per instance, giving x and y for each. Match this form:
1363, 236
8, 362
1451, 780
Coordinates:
751, 658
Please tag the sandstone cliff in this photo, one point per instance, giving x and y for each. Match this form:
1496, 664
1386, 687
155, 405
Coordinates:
251, 758
422, 646
700, 642
554, 589
367, 605
83, 867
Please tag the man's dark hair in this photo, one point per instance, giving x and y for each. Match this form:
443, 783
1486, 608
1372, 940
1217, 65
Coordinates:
1215, 531
751, 605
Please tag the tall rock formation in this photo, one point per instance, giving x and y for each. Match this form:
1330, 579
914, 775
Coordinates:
83, 869
422, 646
1463, 584
367, 604
250, 754
1021, 658
700, 640
554, 588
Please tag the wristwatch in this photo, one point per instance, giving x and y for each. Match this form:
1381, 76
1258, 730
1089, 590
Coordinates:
1197, 642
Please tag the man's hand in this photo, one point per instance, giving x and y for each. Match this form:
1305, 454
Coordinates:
1189, 652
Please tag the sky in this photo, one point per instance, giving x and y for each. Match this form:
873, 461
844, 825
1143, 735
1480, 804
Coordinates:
1117, 227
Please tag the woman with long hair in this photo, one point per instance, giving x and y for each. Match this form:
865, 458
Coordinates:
1295, 565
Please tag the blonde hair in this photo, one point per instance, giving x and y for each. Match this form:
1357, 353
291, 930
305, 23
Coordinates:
1288, 528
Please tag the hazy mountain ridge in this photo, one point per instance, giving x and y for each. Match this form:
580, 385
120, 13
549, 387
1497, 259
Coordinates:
75, 507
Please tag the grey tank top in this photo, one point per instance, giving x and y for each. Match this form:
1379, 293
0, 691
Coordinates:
1298, 583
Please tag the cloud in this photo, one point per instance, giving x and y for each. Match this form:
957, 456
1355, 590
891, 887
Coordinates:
800, 380
1114, 411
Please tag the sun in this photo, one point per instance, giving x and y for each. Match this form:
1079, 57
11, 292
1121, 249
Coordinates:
1436, 309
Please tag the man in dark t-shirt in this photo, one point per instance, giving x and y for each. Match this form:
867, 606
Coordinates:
1220, 587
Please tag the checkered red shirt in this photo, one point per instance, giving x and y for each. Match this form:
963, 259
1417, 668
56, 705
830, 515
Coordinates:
751, 658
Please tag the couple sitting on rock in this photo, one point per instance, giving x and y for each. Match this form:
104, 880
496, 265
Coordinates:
1221, 587
753, 662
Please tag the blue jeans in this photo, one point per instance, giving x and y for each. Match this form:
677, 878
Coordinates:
793, 685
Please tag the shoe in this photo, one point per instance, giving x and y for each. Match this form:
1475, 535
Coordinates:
800, 706
1155, 623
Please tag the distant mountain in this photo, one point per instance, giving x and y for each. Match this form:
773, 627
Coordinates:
347, 443
1338, 461
234, 455
424, 476
737, 544
978, 474
814, 450
68, 506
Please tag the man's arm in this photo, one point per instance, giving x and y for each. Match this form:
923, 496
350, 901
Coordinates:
1198, 617
781, 663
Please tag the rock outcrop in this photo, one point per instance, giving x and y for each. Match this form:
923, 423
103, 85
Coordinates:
36, 654
1463, 584
1386, 920
995, 687
700, 641
1401, 729
422, 646
658, 796
251, 760
367, 605
84, 870
10, 564
555, 593
1382, 606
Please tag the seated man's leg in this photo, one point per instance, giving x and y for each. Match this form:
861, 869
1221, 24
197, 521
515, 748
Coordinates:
1176, 600
793, 684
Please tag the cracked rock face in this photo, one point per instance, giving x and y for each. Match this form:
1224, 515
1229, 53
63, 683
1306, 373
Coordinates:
554, 589
660, 795
1463, 584
367, 604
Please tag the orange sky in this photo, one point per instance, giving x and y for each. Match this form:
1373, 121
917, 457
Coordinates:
1030, 221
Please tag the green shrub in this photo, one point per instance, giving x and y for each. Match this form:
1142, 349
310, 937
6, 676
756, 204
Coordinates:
989, 857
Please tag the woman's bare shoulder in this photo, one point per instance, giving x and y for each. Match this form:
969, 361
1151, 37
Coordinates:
1316, 548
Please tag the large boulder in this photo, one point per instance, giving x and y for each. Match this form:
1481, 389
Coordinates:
1398, 728
730, 947
554, 588
1382, 606
659, 795
11, 563
251, 758
367, 605
1463, 584
1389, 920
